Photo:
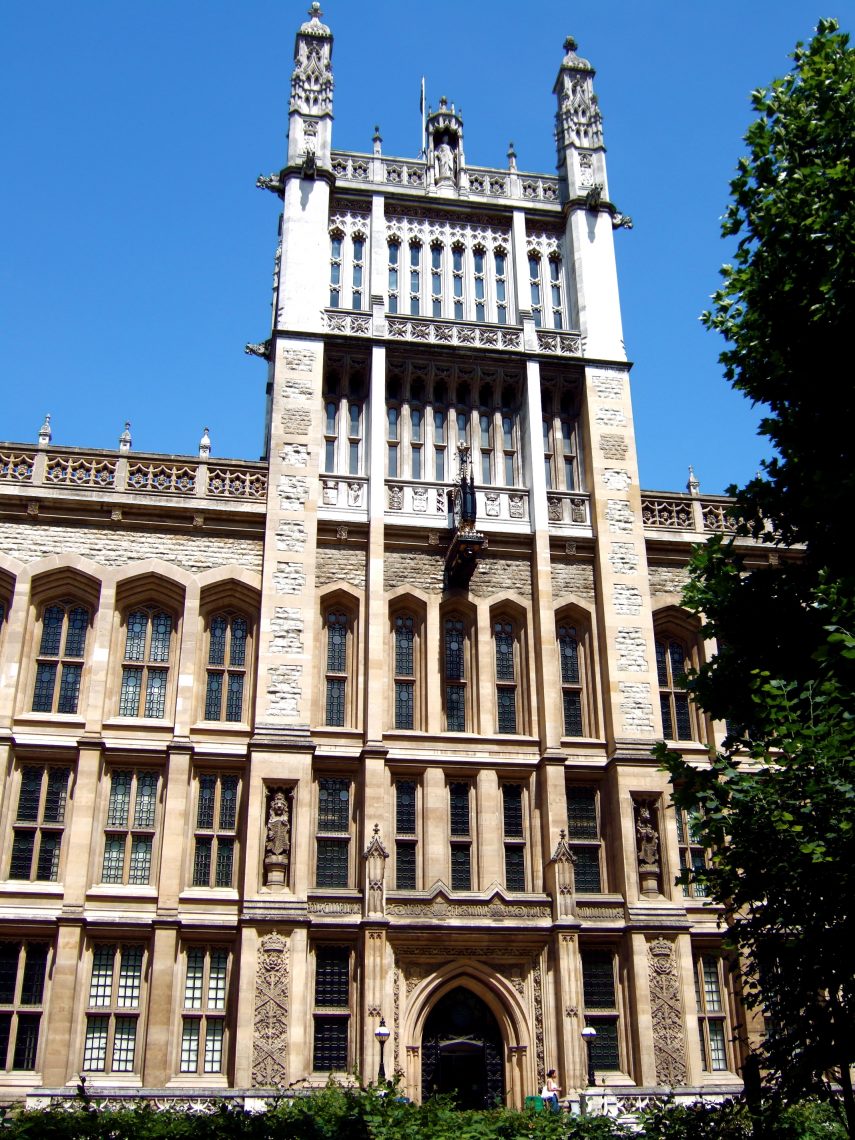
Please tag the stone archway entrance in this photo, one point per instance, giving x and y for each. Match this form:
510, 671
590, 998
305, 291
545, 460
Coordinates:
462, 1051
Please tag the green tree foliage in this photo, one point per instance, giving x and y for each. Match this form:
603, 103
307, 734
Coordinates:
778, 804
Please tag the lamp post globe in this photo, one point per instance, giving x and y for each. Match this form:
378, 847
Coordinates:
382, 1034
589, 1036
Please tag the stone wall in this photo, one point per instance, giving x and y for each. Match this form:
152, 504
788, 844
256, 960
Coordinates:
340, 564
117, 546
421, 570
667, 579
573, 578
500, 575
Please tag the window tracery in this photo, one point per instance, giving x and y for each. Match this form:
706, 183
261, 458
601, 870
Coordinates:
60, 657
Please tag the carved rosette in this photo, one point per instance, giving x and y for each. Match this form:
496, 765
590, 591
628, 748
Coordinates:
669, 1042
270, 1025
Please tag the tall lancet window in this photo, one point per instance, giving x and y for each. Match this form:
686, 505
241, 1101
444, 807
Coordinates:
457, 280
405, 677
436, 279
535, 289
415, 278
394, 268
358, 271
500, 265
336, 241
555, 291
478, 259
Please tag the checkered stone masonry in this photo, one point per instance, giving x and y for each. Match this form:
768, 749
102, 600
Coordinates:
630, 647
619, 516
623, 558
287, 629
636, 707
627, 599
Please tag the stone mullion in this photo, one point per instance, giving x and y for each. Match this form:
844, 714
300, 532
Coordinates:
488, 862
158, 1058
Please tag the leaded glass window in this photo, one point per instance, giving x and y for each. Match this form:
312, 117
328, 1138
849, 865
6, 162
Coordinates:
504, 639
145, 672
357, 271
59, 665
692, 853
336, 242
457, 280
23, 969
712, 1019
571, 681
405, 866
227, 667
330, 1045
436, 252
203, 1023
583, 831
131, 825
479, 290
39, 823
405, 683
500, 265
415, 278
333, 840
535, 289
394, 266
555, 291
338, 627
115, 992
461, 871
455, 674
458, 795
216, 819
672, 663
600, 999
405, 831
514, 836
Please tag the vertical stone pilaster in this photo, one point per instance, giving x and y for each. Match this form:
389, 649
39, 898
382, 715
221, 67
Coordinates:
61, 1039
176, 807
164, 966
489, 865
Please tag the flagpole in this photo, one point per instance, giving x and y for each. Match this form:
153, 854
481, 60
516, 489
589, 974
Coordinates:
422, 108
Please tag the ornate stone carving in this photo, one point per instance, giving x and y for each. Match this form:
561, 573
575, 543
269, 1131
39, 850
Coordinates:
540, 1053
329, 488
513, 974
591, 913
555, 507
341, 533
578, 511
311, 79
440, 908
562, 863
354, 494
396, 498
277, 845
375, 856
270, 1025
491, 499
647, 843
669, 1044
516, 506
334, 906
420, 496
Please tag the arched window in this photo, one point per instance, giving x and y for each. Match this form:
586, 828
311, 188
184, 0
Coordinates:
357, 270
59, 663
535, 289
507, 675
336, 243
394, 269
436, 290
479, 291
345, 378
415, 278
226, 677
455, 672
405, 674
674, 657
500, 265
338, 631
146, 661
571, 679
555, 283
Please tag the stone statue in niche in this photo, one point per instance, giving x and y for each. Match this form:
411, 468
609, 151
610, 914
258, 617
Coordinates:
444, 162
647, 844
277, 845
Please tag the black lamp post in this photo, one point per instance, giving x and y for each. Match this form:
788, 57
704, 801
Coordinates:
588, 1036
382, 1034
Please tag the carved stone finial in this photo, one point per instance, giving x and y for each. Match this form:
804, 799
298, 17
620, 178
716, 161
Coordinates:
693, 486
125, 440
204, 445
315, 11
512, 157
45, 433
570, 43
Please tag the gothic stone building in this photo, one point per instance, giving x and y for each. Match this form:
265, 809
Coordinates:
363, 730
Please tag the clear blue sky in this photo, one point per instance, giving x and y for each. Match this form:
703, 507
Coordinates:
137, 253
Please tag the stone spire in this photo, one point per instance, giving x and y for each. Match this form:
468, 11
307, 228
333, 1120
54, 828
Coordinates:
579, 126
311, 92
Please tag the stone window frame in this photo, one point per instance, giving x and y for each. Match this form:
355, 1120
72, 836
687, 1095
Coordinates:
404, 838
458, 300
714, 1009
546, 250
218, 834
561, 396
232, 599
349, 272
340, 836
588, 840
116, 1008
68, 587
460, 841
692, 853
340, 601
133, 829
33, 968
615, 1014
206, 1013
672, 626
154, 594
345, 387
39, 825
462, 611
326, 1015
573, 617
463, 395
506, 613
511, 840
409, 605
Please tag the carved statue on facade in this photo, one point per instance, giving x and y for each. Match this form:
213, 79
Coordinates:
277, 846
647, 846
444, 163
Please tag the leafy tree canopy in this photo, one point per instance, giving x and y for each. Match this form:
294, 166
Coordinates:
777, 805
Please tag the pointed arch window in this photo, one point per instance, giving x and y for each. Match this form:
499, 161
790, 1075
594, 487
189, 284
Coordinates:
394, 271
336, 249
226, 679
500, 266
436, 270
676, 654
457, 252
338, 631
145, 668
456, 672
59, 664
415, 278
357, 270
479, 291
555, 291
405, 676
571, 679
505, 641
535, 289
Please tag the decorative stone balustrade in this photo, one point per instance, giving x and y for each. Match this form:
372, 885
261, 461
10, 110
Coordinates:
479, 181
568, 510
134, 474
685, 512
561, 343
344, 496
428, 504
464, 333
